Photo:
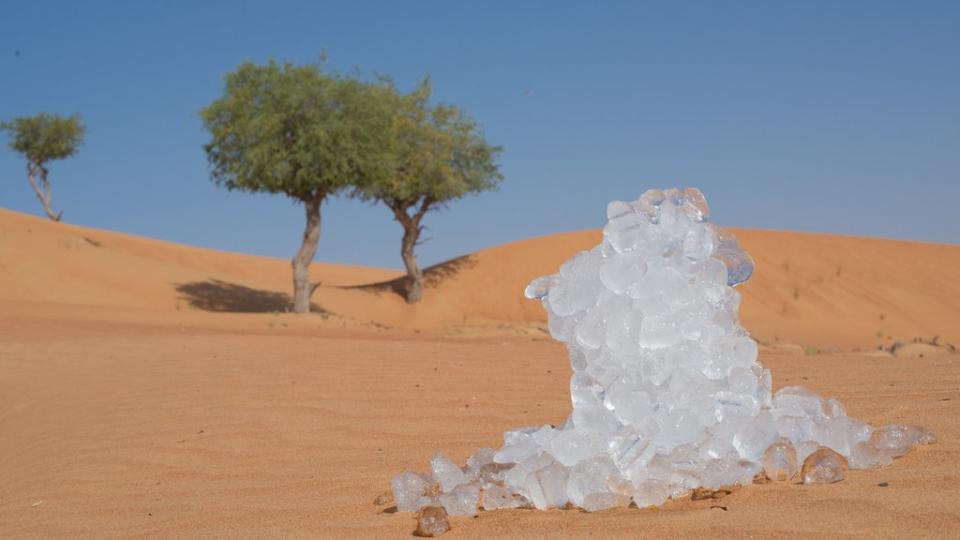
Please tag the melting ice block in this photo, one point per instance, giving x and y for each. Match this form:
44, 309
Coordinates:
780, 461
432, 522
667, 393
824, 466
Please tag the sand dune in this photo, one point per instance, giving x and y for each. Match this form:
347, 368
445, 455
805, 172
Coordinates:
814, 290
153, 390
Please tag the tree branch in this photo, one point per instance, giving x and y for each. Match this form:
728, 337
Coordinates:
399, 209
424, 208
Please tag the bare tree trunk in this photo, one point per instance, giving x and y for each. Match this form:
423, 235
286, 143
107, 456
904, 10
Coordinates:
42, 190
302, 288
411, 237
414, 286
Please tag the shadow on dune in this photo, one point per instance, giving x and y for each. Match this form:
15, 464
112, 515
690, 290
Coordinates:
225, 297
432, 276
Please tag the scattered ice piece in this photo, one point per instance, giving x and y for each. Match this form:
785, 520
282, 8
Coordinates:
408, 487
780, 461
447, 473
824, 466
432, 521
865, 455
840, 433
897, 439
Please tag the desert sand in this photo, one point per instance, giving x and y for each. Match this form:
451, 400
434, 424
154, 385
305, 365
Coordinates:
154, 390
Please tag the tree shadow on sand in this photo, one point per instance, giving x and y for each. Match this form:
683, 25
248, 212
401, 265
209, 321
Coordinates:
433, 276
224, 297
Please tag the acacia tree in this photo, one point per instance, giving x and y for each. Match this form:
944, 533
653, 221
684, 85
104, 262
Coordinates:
41, 139
297, 131
438, 155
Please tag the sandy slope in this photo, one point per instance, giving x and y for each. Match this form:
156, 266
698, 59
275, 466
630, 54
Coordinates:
128, 427
809, 289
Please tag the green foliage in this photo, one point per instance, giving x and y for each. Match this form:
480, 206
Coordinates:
45, 137
438, 153
295, 130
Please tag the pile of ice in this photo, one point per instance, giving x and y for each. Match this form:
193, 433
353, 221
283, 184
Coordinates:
668, 395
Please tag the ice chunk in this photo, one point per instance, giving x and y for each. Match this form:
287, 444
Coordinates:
496, 497
677, 428
753, 440
840, 433
824, 466
696, 204
780, 461
547, 487
629, 401
432, 522
618, 273
728, 251
865, 455
699, 243
718, 473
797, 401
806, 448
575, 445
447, 473
651, 492
476, 462
408, 487
518, 446
462, 500
590, 477
897, 439
538, 288
603, 500
618, 209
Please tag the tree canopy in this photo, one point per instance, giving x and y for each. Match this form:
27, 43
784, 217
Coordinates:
295, 130
438, 154
45, 137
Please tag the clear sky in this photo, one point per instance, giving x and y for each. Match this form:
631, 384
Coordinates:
819, 116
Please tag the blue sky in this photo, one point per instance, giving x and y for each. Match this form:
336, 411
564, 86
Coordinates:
819, 116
